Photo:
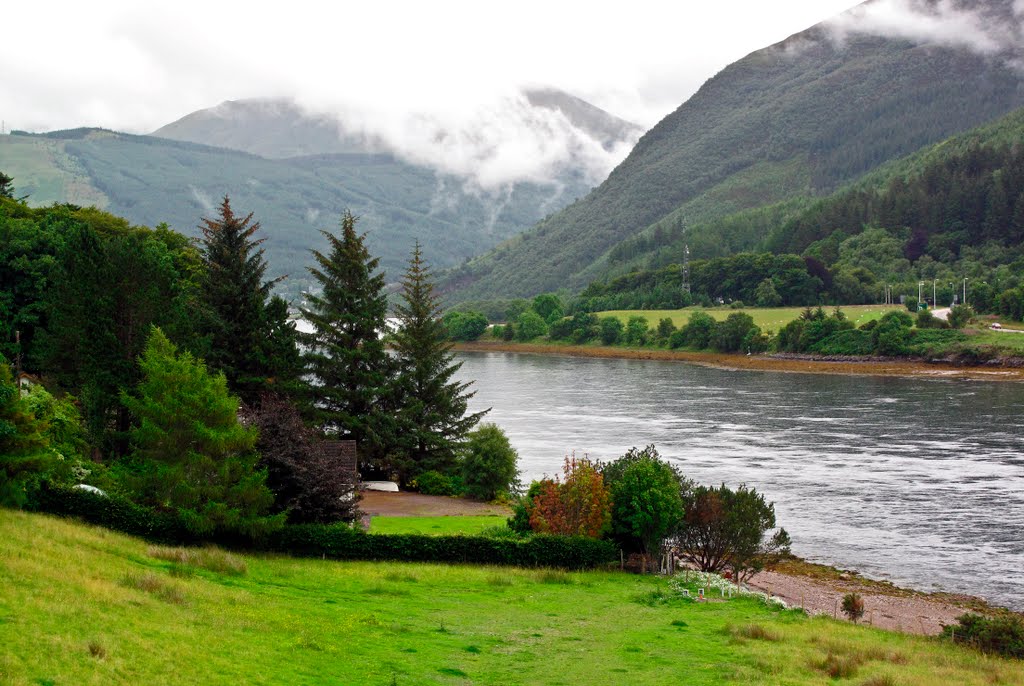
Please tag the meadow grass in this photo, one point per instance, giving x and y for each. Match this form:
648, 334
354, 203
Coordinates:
768, 318
437, 526
82, 605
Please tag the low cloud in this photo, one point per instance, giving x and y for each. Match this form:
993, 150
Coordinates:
987, 28
500, 141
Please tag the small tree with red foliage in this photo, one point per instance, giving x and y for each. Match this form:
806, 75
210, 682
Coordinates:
578, 505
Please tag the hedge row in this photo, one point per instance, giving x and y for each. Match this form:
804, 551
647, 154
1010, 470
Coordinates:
334, 541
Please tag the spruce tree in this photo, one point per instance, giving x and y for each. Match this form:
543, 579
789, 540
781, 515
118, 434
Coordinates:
431, 406
344, 354
250, 341
191, 453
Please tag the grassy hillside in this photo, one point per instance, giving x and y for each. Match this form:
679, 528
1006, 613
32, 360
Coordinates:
799, 118
151, 180
81, 605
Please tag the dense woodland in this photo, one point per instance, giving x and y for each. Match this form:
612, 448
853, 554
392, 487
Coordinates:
166, 371
949, 213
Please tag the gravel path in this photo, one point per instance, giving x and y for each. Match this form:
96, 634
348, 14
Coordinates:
898, 610
416, 504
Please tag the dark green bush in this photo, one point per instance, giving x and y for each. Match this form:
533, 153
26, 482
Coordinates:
435, 483
849, 342
336, 541
998, 635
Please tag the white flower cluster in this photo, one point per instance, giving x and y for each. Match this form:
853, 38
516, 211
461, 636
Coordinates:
688, 583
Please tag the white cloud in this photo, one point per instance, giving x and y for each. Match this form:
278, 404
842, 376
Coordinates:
983, 29
440, 80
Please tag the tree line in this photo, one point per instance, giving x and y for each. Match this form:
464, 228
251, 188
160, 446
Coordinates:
166, 369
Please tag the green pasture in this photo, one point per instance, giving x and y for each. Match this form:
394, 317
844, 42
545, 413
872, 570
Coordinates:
436, 526
82, 605
768, 318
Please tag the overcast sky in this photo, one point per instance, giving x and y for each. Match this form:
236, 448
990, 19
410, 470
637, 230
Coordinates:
437, 81
134, 66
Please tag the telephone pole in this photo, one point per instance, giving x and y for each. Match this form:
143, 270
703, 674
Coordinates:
686, 264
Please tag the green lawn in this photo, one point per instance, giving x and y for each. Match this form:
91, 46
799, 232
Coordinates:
82, 605
455, 524
768, 318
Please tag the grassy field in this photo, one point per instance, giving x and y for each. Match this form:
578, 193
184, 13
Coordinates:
81, 605
768, 318
465, 524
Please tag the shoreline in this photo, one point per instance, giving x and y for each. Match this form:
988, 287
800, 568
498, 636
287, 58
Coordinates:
815, 587
765, 363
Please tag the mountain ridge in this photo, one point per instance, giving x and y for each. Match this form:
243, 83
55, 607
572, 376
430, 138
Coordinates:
843, 109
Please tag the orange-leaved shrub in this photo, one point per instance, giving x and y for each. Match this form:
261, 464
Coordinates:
579, 504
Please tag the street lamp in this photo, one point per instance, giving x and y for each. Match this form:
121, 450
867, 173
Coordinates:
964, 303
935, 302
920, 285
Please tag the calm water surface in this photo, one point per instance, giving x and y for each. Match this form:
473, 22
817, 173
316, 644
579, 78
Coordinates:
917, 481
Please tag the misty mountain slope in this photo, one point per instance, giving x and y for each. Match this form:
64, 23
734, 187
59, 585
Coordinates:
268, 127
606, 128
819, 108
151, 180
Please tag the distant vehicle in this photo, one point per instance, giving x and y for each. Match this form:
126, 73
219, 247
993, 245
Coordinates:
90, 489
996, 326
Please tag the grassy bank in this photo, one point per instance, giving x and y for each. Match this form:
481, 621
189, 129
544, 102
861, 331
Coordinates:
434, 526
768, 318
81, 605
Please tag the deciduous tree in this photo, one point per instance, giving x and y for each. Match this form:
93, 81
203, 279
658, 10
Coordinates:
577, 505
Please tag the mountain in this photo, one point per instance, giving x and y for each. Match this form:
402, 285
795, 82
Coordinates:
603, 127
949, 212
279, 128
798, 119
268, 127
297, 170
150, 180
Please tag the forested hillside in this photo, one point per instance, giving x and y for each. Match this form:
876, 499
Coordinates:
952, 211
153, 180
796, 120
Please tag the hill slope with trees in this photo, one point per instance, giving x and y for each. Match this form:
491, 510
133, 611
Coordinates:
797, 119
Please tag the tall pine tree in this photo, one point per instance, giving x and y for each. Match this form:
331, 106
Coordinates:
431, 407
250, 338
344, 353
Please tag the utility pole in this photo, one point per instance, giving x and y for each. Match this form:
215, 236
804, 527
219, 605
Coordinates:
920, 285
965, 292
686, 264
935, 302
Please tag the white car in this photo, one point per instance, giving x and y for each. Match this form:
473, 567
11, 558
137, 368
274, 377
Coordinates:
996, 326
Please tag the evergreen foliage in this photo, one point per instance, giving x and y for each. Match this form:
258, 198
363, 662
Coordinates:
109, 285
351, 390
250, 338
190, 452
431, 407
23, 446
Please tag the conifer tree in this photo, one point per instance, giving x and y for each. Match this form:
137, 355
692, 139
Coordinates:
431, 407
250, 341
191, 452
344, 353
